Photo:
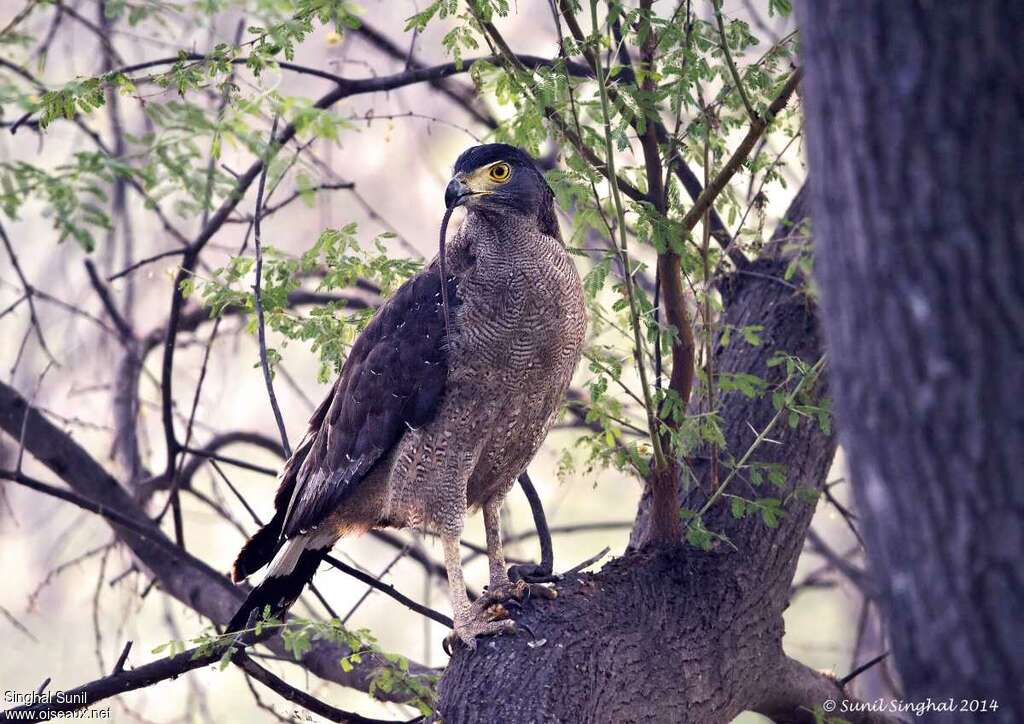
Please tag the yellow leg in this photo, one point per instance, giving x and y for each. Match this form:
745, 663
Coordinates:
456, 583
468, 623
495, 555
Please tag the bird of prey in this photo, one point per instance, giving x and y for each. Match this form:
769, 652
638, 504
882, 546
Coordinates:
438, 408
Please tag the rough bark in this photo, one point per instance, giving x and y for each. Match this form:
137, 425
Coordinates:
914, 115
680, 635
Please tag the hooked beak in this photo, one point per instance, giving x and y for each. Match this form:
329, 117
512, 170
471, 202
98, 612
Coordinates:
456, 193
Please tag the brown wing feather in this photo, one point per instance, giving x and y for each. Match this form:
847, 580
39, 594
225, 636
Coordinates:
392, 380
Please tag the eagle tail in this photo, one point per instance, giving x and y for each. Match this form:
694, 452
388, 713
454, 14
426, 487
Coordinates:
290, 570
259, 550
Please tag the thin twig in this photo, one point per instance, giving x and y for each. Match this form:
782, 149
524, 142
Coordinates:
389, 590
103, 292
717, 5
369, 589
289, 692
812, 374
587, 563
241, 498
227, 459
29, 293
142, 262
12, 619
142, 530
268, 378
271, 209
861, 669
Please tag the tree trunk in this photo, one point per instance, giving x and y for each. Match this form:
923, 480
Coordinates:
680, 635
915, 115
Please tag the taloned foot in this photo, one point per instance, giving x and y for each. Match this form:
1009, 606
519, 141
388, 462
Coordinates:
489, 614
520, 591
467, 631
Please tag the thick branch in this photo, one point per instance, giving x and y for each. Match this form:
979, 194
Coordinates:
798, 692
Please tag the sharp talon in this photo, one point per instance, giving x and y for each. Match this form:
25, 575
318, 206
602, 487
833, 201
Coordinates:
527, 629
446, 645
468, 631
497, 612
543, 591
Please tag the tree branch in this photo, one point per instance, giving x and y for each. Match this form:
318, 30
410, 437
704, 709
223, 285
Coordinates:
103, 292
798, 691
180, 574
739, 156
389, 590
459, 94
290, 693
29, 293
261, 327
145, 531
171, 667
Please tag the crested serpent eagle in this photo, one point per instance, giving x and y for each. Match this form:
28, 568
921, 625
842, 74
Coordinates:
438, 408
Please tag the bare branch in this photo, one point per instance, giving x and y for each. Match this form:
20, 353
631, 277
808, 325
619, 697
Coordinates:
29, 293
799, 691
389, 590
120, 323
143, 262
179, 573
171, 667
261, 327
297, 696
462, 96
144, 531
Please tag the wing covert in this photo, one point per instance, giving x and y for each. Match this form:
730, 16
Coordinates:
392, 380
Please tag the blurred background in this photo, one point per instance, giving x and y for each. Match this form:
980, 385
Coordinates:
70, 598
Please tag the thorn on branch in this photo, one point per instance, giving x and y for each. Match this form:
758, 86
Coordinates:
119, 666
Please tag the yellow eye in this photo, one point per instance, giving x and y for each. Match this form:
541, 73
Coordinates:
500, 172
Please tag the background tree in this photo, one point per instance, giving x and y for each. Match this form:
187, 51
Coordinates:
671, 135
918, 197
